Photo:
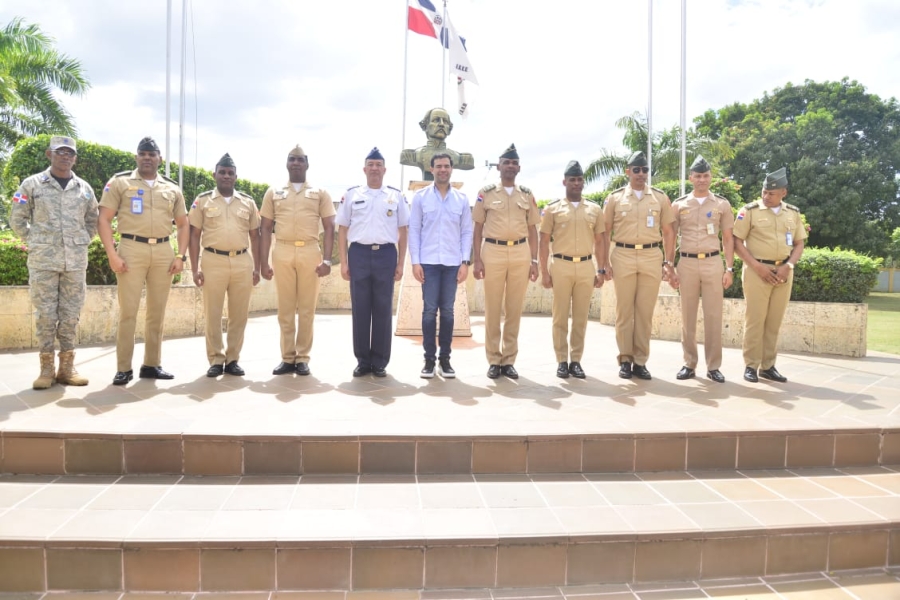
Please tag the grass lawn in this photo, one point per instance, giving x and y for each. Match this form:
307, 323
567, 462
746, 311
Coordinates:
883, 331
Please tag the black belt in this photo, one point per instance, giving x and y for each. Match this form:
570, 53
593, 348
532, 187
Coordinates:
144, 240
774, 262
574, 258
372, 246
226, 252
505, 242
639, 246
700, 255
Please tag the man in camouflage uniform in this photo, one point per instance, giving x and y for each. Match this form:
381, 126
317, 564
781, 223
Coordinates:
55, 213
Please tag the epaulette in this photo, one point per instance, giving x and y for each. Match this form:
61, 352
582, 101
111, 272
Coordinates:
554, 202
658, 190
244, 194
390, 187
489, 187
352, 188
752, 205
123, 173
524, 189
791, 207
685, 197
206, 193
169, 180
616, 190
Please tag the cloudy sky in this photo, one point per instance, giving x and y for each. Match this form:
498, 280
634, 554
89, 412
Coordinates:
554, 77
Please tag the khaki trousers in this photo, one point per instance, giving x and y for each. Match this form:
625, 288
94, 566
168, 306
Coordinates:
232, 275
765, 308
297, 286
146, 263
506, 270
637, 275
701, 278
573, 285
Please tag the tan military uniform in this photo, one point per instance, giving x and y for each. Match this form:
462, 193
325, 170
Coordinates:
572, 270
766, 236
506, 218
225, 227
149, 212
637, 271
295, 256
699, 226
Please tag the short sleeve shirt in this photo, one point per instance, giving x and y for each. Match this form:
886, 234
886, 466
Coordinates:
506, 216
297, 214
141, 209
633, 220
572, 229
373, 216
769, 236
699, 225
224, 225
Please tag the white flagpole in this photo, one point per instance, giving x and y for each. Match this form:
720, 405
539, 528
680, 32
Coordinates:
683, 93
168, 79
181, 111
444, 74
405, 69
650, 90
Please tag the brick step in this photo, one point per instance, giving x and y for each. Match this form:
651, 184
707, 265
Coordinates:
375, 532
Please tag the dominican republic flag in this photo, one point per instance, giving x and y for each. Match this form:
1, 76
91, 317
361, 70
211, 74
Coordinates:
423, 18
20, 198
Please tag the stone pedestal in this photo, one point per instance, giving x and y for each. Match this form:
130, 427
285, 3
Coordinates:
410, 305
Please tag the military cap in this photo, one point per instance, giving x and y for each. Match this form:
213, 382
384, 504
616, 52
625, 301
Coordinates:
226, 161
148, 144
510, 152
60, 141
776, 180
637, 160
297, 151
573, 169
700, 165
375, 154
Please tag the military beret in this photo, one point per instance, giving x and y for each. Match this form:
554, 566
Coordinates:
510, 152
375, 154
297, 151
226, 161
148, 144
700, 165
60, 141
573, 169
776, 180
637, 160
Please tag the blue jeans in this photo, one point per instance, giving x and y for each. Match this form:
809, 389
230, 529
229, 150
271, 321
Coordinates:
438, 292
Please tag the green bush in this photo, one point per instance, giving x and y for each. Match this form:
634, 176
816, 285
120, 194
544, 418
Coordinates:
824, 275
13, 260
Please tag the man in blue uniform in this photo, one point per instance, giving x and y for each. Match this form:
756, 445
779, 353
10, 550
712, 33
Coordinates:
373, 221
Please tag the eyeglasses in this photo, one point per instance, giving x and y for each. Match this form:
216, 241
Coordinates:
296, 159
637, 170
69, 153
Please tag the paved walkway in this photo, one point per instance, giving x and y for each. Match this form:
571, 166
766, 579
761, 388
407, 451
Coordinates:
823, 392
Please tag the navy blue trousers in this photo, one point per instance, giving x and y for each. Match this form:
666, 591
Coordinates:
371, 299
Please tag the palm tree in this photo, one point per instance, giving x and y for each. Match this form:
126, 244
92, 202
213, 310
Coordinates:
30, 70
666, 159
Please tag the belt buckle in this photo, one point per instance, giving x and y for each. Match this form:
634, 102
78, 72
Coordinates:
299, 243
638, 246
376, 246
701, 255
511, 243
151, 240
576, 259
232, 253
778, 262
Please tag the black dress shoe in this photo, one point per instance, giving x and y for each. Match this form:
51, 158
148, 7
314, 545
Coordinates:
123, 377
233, 368
772, 374
641, 372
562, 371
685, 373
509, 371
625, 370
361, 370
283, 368
302, 369
215, 370
494, 371
750, 375
154, 373
716, 375
576, 370
379, 371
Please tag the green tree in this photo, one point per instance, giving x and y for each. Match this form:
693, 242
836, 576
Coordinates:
841, 146
31, 70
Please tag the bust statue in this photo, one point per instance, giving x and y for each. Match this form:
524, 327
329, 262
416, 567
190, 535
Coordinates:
437, 127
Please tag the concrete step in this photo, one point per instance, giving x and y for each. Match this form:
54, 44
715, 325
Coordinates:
415, 532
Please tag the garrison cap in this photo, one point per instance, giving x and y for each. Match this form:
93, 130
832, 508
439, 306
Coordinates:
573, 169
148, 144
226, 161
61, 141
776, 180
637, 160
510, 152
700, 165
375, 154
297, 151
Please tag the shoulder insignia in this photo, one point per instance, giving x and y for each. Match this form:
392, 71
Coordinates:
390, 187
172, 181
123, 173
685, 197
723, 198
554, 202
791, 207
524, 189
244, 195
660, 191
621, 189
489, 187
352, 188
752, 205
206, 193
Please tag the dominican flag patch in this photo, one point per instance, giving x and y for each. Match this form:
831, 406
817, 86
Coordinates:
480, 198
20, 198
106, 187
194, 205
741, 215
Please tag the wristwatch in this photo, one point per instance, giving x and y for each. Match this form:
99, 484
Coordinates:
326, 262
183, 257
534, 261
790, 265
601, 271
467, 262
667, 263
730, 269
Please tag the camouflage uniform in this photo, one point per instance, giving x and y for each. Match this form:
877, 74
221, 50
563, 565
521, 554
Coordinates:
57, 225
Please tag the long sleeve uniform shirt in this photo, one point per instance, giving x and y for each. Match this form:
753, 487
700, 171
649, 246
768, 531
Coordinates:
440, 228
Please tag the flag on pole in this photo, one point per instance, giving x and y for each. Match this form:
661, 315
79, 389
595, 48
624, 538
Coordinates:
461, 97
459, 57
423, 17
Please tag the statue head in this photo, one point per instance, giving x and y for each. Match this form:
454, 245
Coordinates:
436, 124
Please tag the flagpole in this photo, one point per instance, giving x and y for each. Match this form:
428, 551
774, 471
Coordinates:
181, 117
650, 90
168, 79
444, 75
405, 69
683, 93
